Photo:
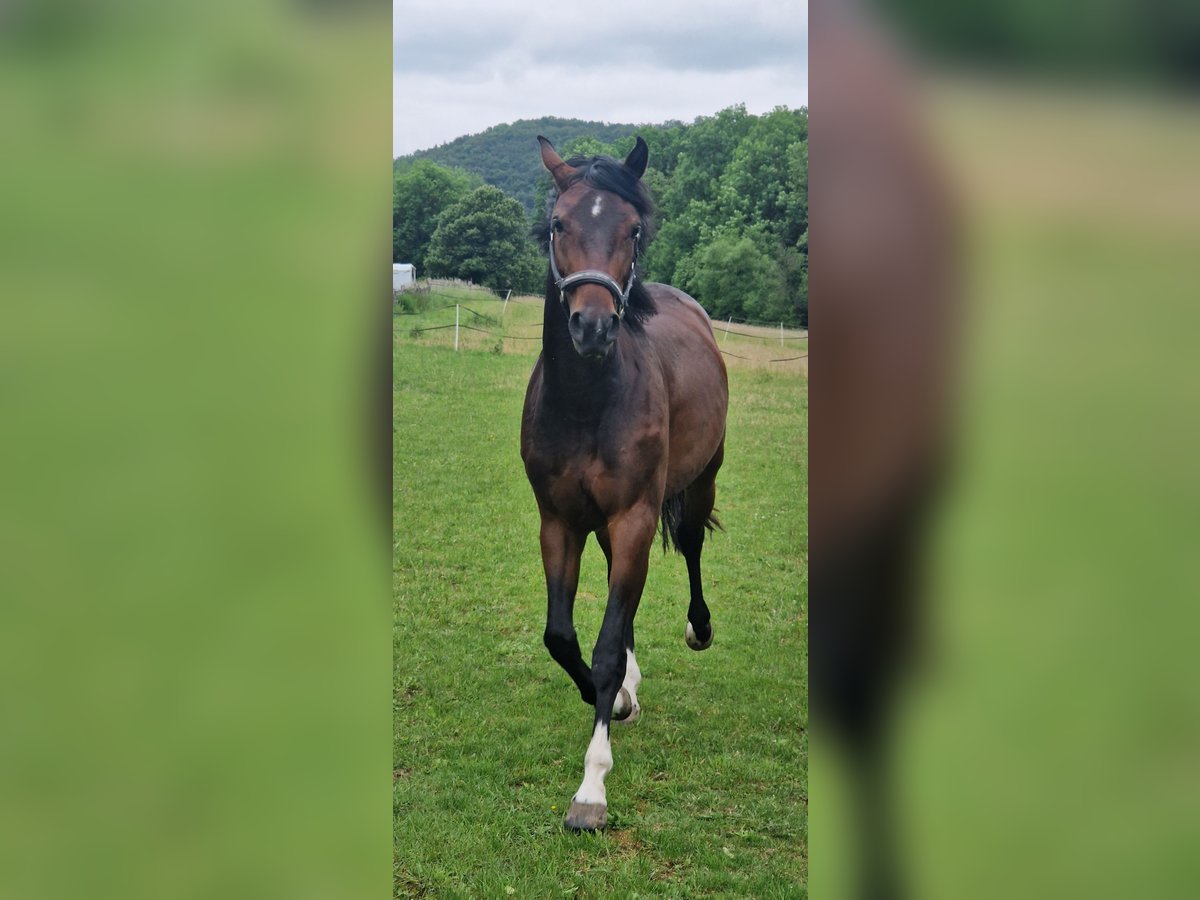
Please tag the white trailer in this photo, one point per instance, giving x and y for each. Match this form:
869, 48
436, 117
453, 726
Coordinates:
403, 276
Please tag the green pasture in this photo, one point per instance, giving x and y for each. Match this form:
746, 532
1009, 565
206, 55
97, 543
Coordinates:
708, 795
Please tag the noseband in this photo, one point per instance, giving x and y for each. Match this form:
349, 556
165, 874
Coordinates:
593, 276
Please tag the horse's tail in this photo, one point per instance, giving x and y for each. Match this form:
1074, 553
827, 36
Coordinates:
672, 520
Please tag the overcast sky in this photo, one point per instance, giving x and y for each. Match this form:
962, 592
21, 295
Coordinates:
459, 67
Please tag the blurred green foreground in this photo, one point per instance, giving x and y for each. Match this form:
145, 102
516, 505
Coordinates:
194, 652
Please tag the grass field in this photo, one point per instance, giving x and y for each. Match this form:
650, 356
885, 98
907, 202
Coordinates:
708, 795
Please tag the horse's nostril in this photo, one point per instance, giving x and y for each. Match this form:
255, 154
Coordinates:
576, 320
610, 333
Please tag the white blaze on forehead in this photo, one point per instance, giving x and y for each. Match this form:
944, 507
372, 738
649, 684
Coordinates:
596, 207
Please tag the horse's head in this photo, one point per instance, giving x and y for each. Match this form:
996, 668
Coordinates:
597, 228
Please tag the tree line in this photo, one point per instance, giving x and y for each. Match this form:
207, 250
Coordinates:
732, 191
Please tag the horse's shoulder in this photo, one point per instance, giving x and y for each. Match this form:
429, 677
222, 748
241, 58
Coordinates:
660, 291
675, 304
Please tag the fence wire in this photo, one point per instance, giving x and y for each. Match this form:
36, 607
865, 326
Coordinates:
718, 326
718, 323
495, 334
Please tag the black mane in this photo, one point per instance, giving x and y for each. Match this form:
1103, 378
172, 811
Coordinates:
607, 174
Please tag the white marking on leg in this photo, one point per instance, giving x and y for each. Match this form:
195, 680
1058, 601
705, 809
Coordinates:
633, 677
597, 763
689, 635
626, 708
596, 207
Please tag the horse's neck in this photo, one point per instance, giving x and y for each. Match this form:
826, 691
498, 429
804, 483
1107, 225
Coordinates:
576, 384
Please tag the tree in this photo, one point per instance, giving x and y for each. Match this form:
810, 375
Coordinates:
677, 238
792, 306
420, 192
732, 176
731, 276
796, 195
704, 150
737, 202
802, 282
766, 180
484, 238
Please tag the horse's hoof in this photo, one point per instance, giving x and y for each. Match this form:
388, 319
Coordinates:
586, 816
625, 710
694, 642
631, 718
623, 707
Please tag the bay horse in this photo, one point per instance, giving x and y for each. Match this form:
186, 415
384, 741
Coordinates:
623, 428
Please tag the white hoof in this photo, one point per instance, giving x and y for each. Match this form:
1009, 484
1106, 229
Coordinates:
694, 642
625, 709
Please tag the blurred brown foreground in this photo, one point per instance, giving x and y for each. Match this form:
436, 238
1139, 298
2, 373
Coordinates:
1003, 493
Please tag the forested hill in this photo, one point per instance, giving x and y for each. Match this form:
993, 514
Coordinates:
506, 155
731, 189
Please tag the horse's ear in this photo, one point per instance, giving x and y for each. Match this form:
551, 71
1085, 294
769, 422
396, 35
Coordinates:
559, 170
636, 160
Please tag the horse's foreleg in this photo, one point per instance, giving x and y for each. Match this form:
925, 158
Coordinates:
561, 551
631, 535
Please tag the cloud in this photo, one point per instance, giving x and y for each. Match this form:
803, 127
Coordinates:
458, 71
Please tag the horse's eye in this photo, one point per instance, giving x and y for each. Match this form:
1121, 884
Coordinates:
637, 233
558, 225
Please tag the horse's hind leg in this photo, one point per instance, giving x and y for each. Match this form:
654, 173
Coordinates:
626, 708
698, 502
699, 631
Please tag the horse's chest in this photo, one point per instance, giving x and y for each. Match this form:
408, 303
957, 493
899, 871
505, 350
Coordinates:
586, 476
581, 490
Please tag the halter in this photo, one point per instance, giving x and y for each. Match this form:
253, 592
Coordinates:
593, 276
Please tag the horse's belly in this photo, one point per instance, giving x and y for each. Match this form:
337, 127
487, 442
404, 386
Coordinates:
696, 434
688, 466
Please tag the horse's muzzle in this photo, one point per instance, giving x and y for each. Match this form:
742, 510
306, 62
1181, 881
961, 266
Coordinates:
593, 334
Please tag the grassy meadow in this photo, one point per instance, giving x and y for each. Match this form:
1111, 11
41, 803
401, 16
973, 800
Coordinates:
708, 794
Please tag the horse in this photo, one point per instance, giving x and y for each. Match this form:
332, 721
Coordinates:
623, 430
